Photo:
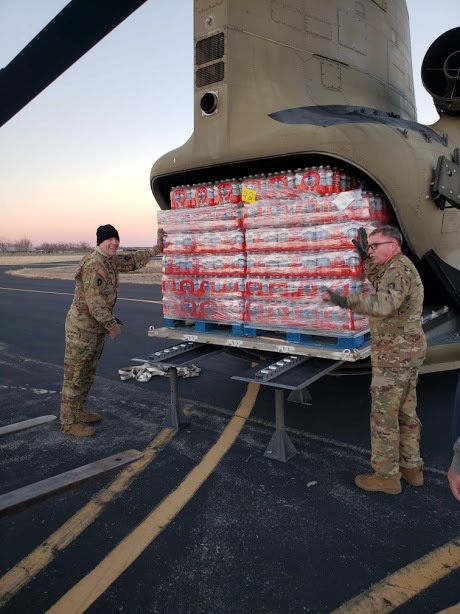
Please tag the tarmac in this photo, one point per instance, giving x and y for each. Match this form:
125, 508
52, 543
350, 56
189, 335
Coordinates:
203, 522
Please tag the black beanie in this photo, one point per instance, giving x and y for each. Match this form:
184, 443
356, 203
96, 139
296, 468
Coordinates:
106, 232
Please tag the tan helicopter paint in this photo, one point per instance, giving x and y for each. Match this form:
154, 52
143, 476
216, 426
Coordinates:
281, 55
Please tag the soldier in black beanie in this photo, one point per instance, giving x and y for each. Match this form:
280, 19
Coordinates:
106, 232
90, 319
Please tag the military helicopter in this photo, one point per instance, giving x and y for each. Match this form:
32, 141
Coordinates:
286, 85
281, 85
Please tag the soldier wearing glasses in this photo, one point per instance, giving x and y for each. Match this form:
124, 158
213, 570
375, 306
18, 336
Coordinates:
398, 348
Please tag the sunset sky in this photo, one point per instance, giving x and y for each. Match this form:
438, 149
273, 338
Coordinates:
79, 155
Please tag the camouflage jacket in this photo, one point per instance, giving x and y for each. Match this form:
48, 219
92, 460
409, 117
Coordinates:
96, 287
456, 460
395, 313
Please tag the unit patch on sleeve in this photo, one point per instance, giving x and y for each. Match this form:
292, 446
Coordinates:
98, 281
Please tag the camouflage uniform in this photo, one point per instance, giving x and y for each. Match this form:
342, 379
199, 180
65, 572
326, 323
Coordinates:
89, 319
398, 349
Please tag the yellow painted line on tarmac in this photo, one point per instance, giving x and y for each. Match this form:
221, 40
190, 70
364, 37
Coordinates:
140, 300
454, 609
79, 598
22, 573
406, 583
37, 291
135, 300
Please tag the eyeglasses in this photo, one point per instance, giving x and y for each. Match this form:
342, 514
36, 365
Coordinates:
373, 246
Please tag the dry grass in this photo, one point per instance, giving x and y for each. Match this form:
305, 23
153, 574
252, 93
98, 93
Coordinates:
38, 258
150, 274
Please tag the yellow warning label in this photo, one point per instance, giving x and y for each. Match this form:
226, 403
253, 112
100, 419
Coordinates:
248, 195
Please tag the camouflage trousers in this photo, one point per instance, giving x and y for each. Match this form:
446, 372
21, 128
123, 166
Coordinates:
395, 426
83, 349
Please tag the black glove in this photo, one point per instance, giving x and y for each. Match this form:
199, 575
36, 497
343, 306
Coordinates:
362, 243
337, 299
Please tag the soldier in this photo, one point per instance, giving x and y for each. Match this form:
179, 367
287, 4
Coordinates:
398, 349
453, 475
90, 318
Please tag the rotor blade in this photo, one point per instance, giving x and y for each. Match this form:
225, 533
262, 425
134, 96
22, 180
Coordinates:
73, 32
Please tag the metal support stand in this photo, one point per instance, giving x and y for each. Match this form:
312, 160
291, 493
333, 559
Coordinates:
291, 373
280, 447
181, 355
301, 396
175, 417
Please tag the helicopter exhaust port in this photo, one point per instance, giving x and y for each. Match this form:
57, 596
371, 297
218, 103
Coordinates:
209, 103
441, 72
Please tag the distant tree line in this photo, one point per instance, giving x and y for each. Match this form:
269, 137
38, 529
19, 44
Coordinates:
24, 244
81, 246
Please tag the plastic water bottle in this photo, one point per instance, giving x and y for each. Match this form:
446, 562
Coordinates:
329, 180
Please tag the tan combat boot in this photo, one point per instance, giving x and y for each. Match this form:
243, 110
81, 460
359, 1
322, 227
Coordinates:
412, 475
78, 429
374, 483
88, 416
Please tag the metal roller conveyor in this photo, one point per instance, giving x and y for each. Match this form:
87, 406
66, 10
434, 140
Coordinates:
281, 366
175, 350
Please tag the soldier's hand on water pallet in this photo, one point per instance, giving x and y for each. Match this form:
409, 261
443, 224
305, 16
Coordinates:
336, 298
160, 239
362, 244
